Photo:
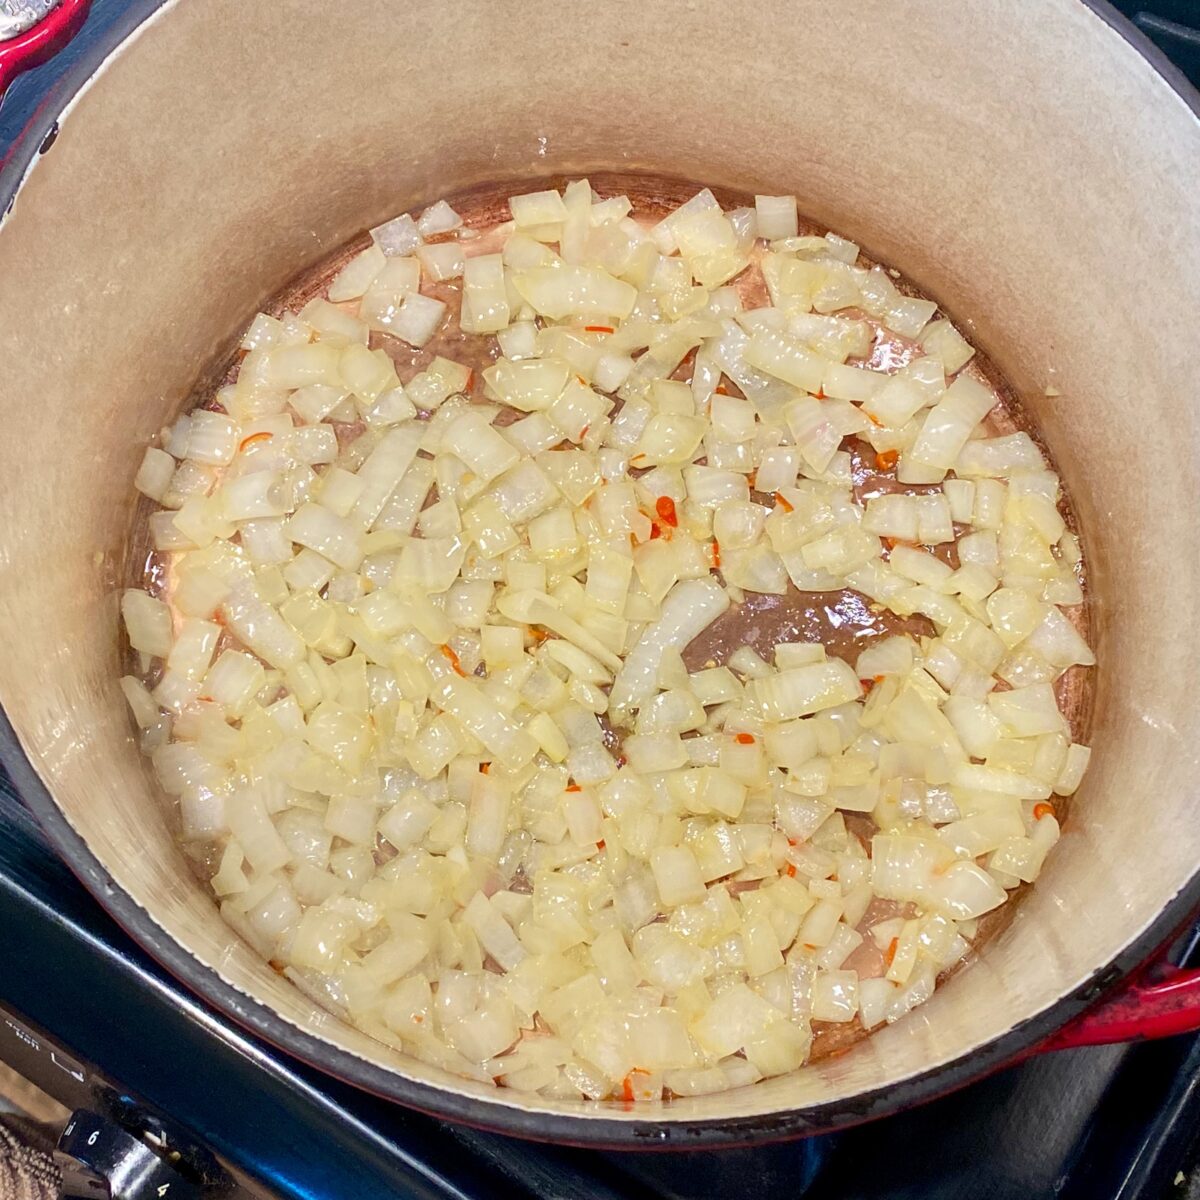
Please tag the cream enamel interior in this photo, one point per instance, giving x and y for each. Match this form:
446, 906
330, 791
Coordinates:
1021, 163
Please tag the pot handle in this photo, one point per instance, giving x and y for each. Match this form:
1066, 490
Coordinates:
1158, 1001
37, 44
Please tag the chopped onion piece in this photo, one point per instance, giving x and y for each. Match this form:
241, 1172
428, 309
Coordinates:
537, 208
147, 622
485, 305
398, 237
154, 475
417, 319
777, 217
802, 691
689, 608
212, 438
357, 275
438, 218
950, 422
481, 447
575, 291
443, 260
942, 341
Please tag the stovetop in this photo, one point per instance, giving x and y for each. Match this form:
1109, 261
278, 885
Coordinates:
88, 1016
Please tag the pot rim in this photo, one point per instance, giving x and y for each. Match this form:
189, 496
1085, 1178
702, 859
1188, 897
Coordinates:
587, 1131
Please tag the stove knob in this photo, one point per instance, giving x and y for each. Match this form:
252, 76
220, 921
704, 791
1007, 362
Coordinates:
102, 1161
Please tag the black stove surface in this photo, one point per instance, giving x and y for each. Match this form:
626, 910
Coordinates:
85, 1013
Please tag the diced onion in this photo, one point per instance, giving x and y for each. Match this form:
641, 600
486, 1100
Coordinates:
147, 623
776, 217
357, 275
459, 681
690, 607
397, 237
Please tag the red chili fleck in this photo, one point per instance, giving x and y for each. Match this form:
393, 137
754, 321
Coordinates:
721, 390
791, 870
470, 380
574, 787
1042, 810
665, 507
254, 439
716, 554
872, 418
744, 739
820, 393
598, 329
484, 768
891, 952
600, 844
886, 460
452, 658
655, 532
783, 503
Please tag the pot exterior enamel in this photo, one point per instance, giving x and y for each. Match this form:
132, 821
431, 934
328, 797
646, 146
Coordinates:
1025, 165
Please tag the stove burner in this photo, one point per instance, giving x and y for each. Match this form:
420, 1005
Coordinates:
16, 16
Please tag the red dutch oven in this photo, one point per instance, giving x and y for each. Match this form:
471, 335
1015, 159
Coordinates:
1030, 166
